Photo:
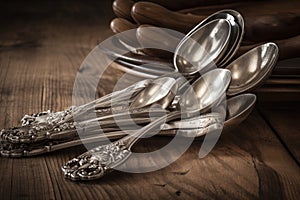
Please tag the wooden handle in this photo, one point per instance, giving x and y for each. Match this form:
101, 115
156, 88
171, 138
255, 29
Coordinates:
122, 8
183, 4
119, 25
154, 14
258, 28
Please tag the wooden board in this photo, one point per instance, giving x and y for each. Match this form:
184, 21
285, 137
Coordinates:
39, 59
285, 123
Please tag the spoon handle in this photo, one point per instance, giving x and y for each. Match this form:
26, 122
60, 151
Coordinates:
104, 101
45, 129
101, 160
130, 140
48, 125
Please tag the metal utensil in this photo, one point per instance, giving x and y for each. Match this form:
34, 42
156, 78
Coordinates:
99, 161
201, 49
252, 68
238, 108
190, 58
42, 125
156, 91
237, 30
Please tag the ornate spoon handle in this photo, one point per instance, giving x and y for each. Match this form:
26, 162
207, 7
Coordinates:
48, 129
104, 101
101, 160
41, 126
207, 124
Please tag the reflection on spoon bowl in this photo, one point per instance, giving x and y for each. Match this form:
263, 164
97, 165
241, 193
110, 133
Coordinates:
155, 92
238, 109
206, 91
205, 46
252, 69
237, 31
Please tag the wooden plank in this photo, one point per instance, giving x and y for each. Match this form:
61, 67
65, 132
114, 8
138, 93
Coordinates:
285, 122
39, 58
39, 62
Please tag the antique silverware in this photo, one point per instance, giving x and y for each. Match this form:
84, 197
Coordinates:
41, 126
252, 68
205, 44
99, 161
155, 91
203, 48
238, 108
237, 30
184, 58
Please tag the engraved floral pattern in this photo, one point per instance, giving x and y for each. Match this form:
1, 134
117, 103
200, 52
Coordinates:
96, 162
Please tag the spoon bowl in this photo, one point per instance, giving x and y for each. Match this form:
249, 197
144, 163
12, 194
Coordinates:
203, 47
156, 91
252, 68
237, 30
195, 60
206, 91
238, 109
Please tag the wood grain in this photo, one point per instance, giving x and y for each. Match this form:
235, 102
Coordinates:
39, 60
285, 123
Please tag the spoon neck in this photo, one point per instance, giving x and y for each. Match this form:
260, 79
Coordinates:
153, 127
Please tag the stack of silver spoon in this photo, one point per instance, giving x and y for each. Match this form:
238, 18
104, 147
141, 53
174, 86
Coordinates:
183, 108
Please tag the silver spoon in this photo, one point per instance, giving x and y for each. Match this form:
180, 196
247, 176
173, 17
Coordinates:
252, 68
203, 47
237, 30
238, 109
155, 91
212, 37
99, 161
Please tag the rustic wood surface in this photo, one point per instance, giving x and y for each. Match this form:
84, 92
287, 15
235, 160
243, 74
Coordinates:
41, 49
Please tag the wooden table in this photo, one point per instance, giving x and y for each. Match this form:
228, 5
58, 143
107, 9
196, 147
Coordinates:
41, 49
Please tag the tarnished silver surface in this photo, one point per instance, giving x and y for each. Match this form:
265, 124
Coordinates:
102, 159
97, 162
49, 131
252, 68
237, 31
155, 91
203, 48
238, 108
